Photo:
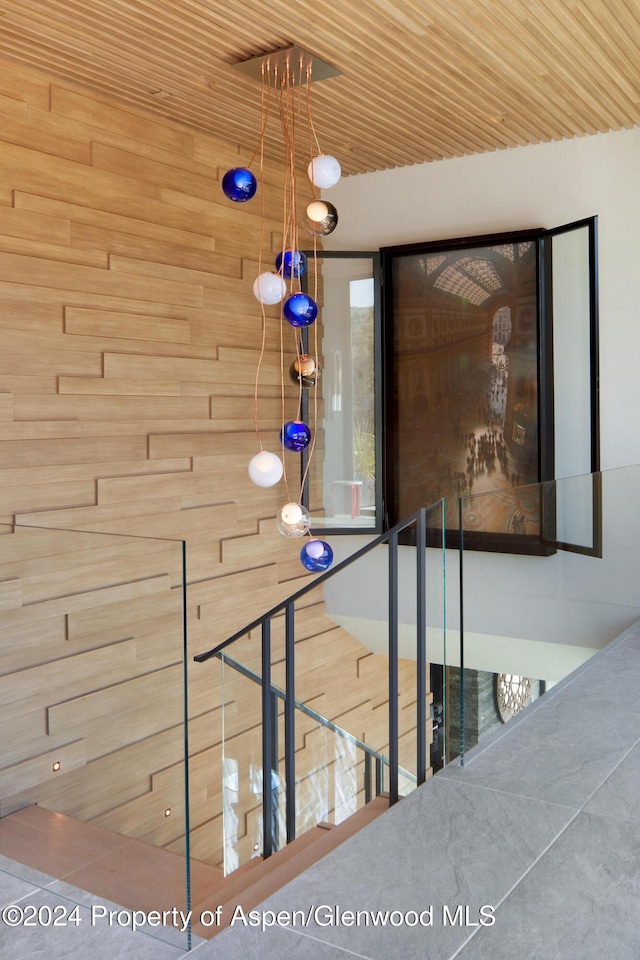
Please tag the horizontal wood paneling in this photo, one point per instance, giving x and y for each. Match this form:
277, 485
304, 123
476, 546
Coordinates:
10, 593
32, 772
130, 337
127, 223
101, 323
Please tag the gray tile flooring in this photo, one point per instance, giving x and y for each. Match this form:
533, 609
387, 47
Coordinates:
532, 849
54, 921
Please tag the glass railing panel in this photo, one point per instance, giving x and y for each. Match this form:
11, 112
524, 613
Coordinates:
548, 580
329, 769
330, 774
431, 660
408, 740
280, 797
92, 704
242, 774
334, 670
206, 725
334, 774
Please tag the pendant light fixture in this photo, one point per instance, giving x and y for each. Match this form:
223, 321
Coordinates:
286, 76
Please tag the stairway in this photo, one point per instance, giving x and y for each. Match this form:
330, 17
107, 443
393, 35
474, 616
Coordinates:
138, 876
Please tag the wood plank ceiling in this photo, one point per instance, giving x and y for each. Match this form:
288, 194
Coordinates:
420, 79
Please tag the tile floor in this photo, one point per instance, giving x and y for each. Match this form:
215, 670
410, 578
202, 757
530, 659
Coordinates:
531, 850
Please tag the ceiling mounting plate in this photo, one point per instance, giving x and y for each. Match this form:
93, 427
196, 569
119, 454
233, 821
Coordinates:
292, 62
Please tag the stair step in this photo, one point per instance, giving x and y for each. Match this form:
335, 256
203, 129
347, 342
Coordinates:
252, 872
129, 872
285, 865
139, 876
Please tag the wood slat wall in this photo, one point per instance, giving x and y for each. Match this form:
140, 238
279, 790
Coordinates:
129, 340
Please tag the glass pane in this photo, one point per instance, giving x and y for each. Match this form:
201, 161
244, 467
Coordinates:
343, 473
92, 710
340, 755
571, 351
330, 768
329, 764
575, 512
534, 615
408, 741
207, 699
243, 778
329, 776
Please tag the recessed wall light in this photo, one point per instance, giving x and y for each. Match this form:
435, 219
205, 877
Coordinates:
167, 812
56, 766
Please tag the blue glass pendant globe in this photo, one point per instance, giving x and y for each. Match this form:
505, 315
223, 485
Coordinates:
239, 184
316, 556
292, 262
300, 309
295, 435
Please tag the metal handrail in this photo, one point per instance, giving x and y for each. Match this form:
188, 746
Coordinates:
368, 547
269, 761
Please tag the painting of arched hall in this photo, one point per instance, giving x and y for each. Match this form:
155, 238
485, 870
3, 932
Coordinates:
465, 378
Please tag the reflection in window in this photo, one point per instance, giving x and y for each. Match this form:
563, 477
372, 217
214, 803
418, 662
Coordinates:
342, 483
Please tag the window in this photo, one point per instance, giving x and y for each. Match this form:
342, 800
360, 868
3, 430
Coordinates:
476, 371
502, 371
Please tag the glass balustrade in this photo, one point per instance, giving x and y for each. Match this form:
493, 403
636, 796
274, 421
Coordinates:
92, 713
334, 773
559, 582
305, 693
359, 684
242, 777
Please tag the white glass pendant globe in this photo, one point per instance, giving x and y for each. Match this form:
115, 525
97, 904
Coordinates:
269, 288
265, 469
324, 171
293, 520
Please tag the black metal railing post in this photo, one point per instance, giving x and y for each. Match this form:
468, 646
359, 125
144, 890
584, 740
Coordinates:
379, 776
393, 668
461, 683
368, 793
267, 743
290, 722
275, 778
421, 646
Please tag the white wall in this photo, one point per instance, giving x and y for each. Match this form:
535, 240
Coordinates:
539, 186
